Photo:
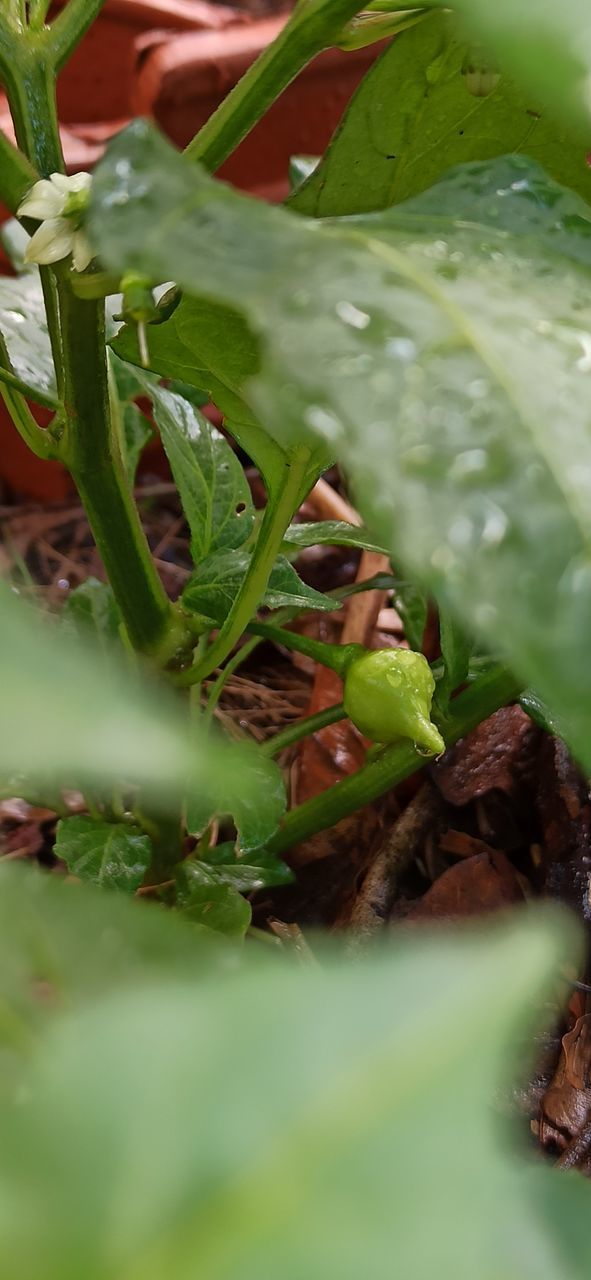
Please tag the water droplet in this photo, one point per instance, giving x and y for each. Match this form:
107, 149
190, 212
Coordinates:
417, 458
471, 462
461, 533
583, 364
485, 615
478, 389
401, 348
321, 420
443, 559
495, 526
351, 315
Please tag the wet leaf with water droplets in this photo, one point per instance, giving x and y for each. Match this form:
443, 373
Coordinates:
494, 387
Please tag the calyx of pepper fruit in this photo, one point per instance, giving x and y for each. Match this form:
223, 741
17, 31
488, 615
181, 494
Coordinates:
388, 695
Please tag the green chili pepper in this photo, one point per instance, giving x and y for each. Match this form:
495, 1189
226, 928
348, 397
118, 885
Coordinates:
388, 695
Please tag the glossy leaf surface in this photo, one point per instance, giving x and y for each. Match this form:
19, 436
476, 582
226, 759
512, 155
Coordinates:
457, 400
413, 117
113, 855
213, 587
211, 482
332, 533
256, 814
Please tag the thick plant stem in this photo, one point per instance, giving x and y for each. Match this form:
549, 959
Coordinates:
313, 26
88, 445
277, 517
91, 451
494, 689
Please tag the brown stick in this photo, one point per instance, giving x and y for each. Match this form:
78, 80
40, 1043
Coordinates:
400, 848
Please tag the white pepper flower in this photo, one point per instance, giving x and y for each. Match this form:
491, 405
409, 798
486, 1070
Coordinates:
59, 204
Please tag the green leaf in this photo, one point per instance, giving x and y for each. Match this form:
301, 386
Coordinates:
134, 429
456, 651
226, 868
437, 359
413, 118
24, 327
212, 485
546, 45
136, 434
91, 609
218, 906
209, 345
256, 814
412, 605
62, 946
334, 533
68, 717
294, 1121
212, 589
113, 855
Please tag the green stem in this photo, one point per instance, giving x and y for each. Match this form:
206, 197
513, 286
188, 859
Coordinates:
313, 26
69, 28
335, 656
91, 451
490, 691
302, 729
217, 688
278, 514
77, 329
38, 10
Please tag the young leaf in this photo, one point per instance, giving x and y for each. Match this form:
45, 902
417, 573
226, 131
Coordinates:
294, 1121
437, 360
136, 434
256, 814
412, 605
113, 855
456, 651
212, 485
210, 345
212, 589
230, 870
413, 117
217, 906
333, 533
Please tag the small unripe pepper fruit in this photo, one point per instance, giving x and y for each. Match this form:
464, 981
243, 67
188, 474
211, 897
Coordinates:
388, 695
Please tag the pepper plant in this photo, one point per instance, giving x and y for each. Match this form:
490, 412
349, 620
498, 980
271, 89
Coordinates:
419, 312
377, 341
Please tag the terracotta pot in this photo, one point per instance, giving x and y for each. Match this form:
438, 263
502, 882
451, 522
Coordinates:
181, 82
175, 60
97, 83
